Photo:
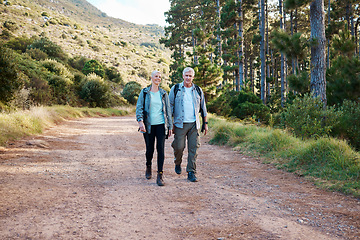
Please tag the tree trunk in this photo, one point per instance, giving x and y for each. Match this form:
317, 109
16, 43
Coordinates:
282, 61
262, 52
318, 68
328, 41
241, 47
218, 37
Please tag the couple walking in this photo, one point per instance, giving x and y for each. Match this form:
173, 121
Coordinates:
159, 116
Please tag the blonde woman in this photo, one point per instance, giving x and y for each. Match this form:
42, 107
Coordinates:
153, 115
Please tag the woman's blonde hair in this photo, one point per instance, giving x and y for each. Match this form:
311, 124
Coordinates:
155, 72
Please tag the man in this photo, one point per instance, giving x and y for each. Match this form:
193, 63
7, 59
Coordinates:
186, 101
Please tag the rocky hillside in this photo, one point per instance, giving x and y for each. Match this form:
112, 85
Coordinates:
81, 29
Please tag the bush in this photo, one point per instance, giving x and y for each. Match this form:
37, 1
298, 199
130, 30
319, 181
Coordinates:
51, 49
95, 91
62, 89
113, 75
131, 92
78, 62
241, 105
348, 126
19, 44
36, 54
57, 68
9, 81
10, 25
93, 66
306, 117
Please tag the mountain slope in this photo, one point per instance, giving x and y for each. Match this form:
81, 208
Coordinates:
81, 29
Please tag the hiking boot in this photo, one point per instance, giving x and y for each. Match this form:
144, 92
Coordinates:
178, 169
192, 177
148, 172
159, 179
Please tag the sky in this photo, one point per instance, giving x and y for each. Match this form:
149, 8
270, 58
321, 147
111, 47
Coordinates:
135, 11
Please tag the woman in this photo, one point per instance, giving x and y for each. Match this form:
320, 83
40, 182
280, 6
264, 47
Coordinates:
153, 114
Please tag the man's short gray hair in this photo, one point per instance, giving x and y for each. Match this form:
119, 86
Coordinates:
189, 69
154, 73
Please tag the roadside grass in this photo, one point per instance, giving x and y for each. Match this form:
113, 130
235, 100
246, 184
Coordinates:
18, 124
330, 163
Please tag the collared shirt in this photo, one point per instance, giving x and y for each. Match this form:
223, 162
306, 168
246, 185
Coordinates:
177, 105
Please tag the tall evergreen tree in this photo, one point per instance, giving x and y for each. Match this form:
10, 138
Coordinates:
318, 62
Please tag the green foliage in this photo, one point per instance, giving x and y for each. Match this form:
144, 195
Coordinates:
6, 34
241, 105
221, 105
51, 49
10, 25
78, 62
9, 81
293, 46
306, 117
93, 66
19, 44
131, 92
299, 82
113, 75
36, 54
95, 91
328, 159
348, 126
57, 68
61, 87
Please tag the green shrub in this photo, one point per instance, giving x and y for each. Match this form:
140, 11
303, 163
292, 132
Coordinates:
19, 44
93, 66
306, 117
10, 25
131, 92
348, 126
78, 62
113, 75
62, 89
36, 54
95, 91
251, 110
57, 68
241, 105
51, 49
221, 105
9, 80
6, 34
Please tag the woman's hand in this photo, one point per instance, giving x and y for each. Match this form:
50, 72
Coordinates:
142, 126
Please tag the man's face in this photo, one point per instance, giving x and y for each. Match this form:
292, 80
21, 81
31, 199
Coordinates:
188, 78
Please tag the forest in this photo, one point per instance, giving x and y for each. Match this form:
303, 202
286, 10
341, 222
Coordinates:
290, 64
287, 64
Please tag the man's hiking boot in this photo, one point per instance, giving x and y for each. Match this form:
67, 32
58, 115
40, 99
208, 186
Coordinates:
159, 179
192, 177
148, 172
178, 169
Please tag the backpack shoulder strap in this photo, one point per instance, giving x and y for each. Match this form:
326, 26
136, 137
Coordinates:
176, 89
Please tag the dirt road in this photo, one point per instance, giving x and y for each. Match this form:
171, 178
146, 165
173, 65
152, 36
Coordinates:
84, 179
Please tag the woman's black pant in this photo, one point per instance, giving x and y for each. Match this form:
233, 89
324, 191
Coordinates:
158, 132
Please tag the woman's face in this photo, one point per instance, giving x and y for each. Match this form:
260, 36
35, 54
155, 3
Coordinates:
156, 79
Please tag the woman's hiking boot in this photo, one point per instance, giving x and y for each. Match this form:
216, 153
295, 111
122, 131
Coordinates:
148, 172
159, 179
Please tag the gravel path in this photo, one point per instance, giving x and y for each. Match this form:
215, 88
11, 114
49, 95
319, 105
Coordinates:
84, 179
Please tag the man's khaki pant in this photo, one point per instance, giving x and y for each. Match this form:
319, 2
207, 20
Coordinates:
190, 132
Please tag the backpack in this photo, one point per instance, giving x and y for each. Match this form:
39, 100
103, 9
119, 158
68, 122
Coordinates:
176, 89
